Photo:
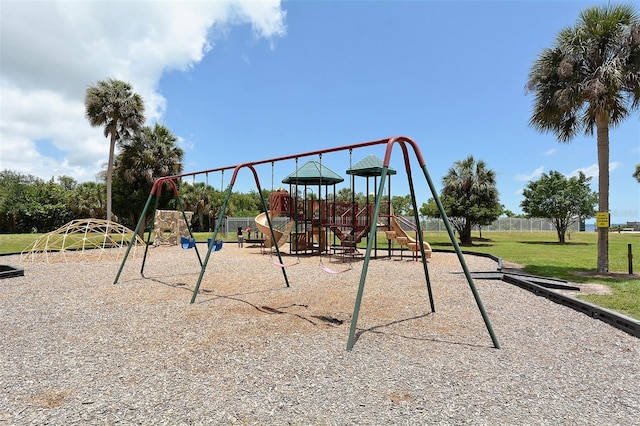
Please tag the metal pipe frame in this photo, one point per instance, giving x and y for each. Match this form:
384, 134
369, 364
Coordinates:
404, 142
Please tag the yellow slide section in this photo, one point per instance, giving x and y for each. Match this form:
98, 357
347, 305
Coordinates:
405, 240
280, 236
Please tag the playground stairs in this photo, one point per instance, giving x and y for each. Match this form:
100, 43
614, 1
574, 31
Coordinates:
353, 224
396, 232
350, 226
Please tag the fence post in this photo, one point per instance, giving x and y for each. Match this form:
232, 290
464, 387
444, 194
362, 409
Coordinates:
630, 257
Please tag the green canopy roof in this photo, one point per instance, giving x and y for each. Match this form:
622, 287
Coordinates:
369, 166
313, 173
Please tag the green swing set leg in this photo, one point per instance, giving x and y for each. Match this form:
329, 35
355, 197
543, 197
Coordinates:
217, 226
213, 237
151, 198
132, 242
463, 263
365, 266
420, 238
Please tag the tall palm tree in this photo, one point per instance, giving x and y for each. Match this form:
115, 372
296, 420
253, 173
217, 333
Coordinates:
470, 196
113, 104
149, 155
590, 79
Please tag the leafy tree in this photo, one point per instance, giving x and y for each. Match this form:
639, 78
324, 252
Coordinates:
402, 205
205, 202
636, 174
560, 200
113, 104
429, 209
245, 204
88, 200
49, 210
346, 195
469, 197
590, 79
12, 187
151, 154
67, 182
29, 204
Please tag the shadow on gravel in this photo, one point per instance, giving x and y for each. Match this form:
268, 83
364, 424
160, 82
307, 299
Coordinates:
379, 329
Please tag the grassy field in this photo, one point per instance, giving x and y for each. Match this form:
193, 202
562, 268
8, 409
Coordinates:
538, 252
574, 261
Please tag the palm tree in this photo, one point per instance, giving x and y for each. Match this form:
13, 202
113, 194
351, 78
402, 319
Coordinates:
470, 196
590, 79
88, 200
195, 198
151, 154
113, 104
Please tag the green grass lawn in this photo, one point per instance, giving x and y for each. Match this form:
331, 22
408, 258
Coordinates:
538, 252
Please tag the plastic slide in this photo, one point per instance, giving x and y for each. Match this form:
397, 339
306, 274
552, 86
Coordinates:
405, 240
280, 236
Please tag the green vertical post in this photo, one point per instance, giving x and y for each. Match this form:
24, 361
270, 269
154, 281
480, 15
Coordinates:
133, 240
365, 265
420, 240
146, 246
186, 221
463, 263
223, 209
273, 236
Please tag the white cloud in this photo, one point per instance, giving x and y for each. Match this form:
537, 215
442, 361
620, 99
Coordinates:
531, 176
50, 52
550, 152
592, 170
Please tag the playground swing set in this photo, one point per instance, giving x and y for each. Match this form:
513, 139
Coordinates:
281, 202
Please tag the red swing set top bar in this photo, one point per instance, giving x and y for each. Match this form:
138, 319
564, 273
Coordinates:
389, 141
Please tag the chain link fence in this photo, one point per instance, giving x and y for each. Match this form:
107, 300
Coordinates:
231, 224
505, 224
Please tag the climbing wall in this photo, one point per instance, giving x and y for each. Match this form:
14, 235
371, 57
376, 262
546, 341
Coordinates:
169, 226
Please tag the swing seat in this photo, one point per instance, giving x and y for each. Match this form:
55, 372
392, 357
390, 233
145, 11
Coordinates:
332, 271
215, 246
283, 265
187, 243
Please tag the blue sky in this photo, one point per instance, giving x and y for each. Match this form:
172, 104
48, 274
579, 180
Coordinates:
270, 79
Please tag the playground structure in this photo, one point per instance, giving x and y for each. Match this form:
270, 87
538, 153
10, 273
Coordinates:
316, 224
323, 224
347, 231
83, 239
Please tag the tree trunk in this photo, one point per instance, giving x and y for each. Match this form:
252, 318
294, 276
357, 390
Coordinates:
465, 235
561, 229
603, 190
112, 146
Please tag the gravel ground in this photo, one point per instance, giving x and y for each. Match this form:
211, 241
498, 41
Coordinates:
77, 349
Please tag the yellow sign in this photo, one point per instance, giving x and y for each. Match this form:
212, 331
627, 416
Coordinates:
602, 220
